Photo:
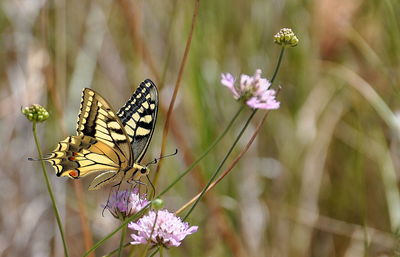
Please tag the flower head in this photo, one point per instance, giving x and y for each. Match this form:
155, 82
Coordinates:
253, 90
169, 230
285, 37
35, 113
126, 203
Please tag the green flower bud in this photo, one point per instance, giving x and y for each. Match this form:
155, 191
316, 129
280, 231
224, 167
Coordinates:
157, 204
35, 113
285, 37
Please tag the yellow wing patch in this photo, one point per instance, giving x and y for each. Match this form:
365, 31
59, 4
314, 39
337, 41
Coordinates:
138, 116
78, 156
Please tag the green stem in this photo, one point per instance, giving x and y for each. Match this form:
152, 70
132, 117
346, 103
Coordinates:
278, 65
53, 201
116, 250
204, 153
156, 251
220, 165
123, 224
121, 242
151, 235
161, 252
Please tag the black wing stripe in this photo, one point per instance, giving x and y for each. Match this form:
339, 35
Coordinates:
138, 117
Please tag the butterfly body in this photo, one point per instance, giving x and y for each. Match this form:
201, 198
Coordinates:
108, 142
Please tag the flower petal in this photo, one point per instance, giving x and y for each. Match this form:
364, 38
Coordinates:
229, 81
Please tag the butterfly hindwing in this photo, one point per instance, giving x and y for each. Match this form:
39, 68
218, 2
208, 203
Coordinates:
139, 115
78, 156
97, 119
105, 178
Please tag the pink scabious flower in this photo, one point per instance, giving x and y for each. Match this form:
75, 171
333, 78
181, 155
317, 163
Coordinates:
126, 203
254, 91
169, 230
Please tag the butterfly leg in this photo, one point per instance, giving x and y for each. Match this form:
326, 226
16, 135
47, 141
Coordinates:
109, 195
152, 187
138, 183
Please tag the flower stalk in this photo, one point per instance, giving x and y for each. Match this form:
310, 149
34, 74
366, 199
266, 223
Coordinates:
121, 242
123, 224
204, 154
278, 65
49, 189
216, 172
251, 88
229, 169
176, 89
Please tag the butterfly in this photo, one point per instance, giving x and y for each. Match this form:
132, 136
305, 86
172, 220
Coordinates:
108, 142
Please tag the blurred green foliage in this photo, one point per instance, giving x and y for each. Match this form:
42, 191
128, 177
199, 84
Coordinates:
321, 178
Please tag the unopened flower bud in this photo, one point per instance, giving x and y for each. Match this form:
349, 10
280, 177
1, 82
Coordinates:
285, 37
157, 204
35, 113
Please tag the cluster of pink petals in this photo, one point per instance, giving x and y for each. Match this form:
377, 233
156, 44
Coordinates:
126, 203
253, 90
169, 230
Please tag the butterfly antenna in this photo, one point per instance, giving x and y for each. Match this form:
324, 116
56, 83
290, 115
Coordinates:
157, 159
152, 187
39, 159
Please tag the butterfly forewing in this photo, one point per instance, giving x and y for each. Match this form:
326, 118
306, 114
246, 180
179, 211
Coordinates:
97, 119
138, 116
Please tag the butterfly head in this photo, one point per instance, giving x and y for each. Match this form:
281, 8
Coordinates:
144, 170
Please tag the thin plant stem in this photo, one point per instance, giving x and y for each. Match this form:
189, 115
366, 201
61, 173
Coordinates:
168, 42
131, 15
161, 252
235, 142
230, 167
123, 224
204, 154
116, 250
220, 165
176, 89
121, 242
49, 189
278, 65
151, 235
156, 251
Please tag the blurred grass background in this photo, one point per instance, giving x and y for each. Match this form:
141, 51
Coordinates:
321, 179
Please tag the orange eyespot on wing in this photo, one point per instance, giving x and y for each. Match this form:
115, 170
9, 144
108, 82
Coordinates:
73, 174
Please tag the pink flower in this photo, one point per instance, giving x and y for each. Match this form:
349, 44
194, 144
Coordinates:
169, 230
254, 91
126, 203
